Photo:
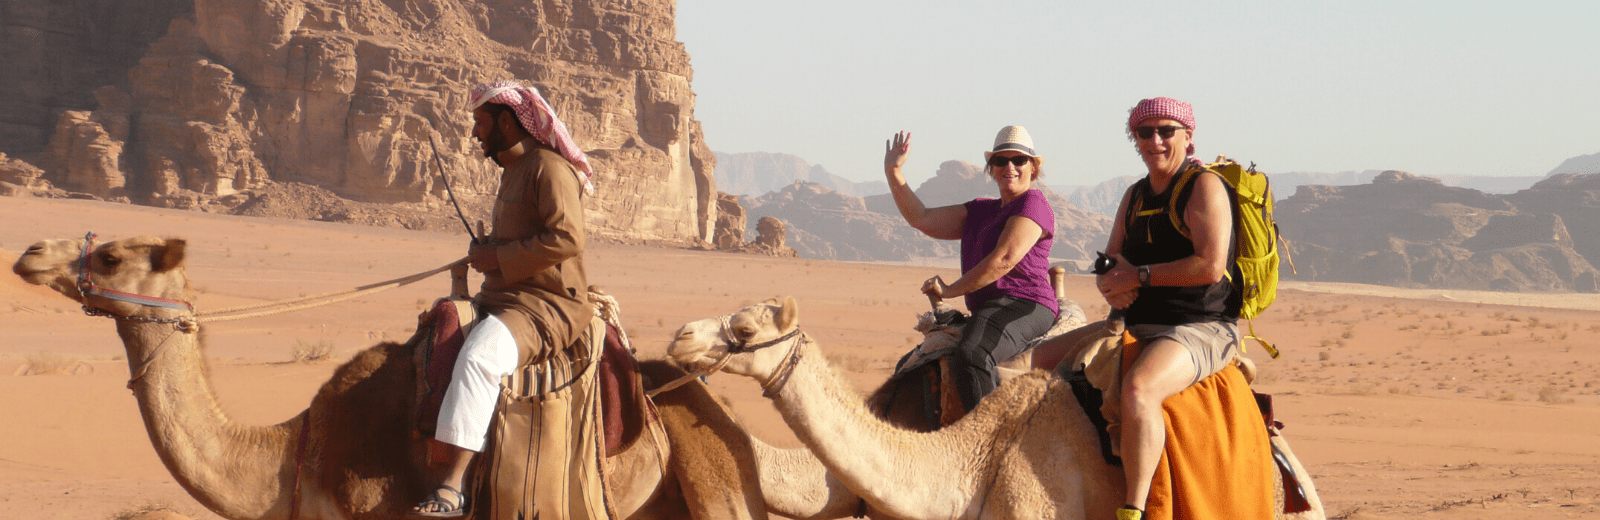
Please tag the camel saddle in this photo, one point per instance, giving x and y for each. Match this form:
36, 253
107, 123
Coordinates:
443, 330
924, 369
1210, 437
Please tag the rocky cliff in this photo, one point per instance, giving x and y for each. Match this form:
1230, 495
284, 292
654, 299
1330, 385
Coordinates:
187, 102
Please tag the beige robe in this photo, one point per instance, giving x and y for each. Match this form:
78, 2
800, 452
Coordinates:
540, 290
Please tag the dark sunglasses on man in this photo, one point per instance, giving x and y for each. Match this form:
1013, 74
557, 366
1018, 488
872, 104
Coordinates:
999, 161
1146, 132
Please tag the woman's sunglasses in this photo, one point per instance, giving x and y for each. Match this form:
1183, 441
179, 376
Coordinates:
999, 161
1146, 132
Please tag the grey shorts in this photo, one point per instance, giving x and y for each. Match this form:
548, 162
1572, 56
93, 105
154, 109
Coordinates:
1210, 344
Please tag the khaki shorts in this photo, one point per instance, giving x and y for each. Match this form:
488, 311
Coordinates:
1211, 345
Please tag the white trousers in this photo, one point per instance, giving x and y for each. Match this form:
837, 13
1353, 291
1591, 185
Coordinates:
489, 353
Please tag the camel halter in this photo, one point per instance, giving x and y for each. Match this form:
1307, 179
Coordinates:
190, 323
737, 346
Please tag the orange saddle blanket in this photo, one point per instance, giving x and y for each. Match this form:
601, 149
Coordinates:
1218, 460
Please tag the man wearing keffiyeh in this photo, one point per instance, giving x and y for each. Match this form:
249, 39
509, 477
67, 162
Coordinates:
534, 290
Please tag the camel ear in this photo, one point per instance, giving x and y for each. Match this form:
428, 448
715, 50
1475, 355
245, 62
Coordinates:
170, 256
789, 315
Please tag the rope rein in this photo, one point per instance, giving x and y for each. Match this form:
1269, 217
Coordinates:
190, 323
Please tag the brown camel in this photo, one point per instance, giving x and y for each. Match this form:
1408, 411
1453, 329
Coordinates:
351, 454
1024, 452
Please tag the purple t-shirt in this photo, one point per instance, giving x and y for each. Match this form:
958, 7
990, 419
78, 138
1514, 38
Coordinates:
986, 220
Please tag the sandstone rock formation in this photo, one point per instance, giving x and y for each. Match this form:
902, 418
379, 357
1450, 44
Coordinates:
771, 239
1409, 231
18, 178
346, 95
730, 223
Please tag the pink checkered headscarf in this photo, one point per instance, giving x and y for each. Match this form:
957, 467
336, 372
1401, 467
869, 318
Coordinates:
538, 119
1163, 108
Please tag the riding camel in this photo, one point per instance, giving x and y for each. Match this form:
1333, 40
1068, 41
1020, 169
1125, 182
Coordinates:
1024, 452
352, 453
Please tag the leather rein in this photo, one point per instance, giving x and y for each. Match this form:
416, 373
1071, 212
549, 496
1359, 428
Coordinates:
87, 287
733, 346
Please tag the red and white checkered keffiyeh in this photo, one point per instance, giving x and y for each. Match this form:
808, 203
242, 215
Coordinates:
538, 119
1163, 108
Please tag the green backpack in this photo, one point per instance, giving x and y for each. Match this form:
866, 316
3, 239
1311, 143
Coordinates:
1256, 233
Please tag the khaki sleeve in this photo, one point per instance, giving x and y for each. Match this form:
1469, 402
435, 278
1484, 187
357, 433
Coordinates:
560, 209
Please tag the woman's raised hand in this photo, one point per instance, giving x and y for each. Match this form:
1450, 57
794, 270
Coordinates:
895, 151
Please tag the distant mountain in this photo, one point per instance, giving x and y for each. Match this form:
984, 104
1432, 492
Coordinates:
753, 174
1102, 198
1581, 164
1409, 231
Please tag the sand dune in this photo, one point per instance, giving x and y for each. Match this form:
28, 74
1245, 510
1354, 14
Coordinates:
1403, 404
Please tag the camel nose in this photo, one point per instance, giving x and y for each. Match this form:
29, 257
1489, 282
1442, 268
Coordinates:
685, 334
35, 249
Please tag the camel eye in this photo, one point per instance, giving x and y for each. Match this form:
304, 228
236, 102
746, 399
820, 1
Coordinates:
744, 332
110, 261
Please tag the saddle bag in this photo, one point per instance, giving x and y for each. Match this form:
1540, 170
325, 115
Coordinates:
545, 445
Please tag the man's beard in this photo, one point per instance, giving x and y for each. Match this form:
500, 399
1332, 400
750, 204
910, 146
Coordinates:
496, 142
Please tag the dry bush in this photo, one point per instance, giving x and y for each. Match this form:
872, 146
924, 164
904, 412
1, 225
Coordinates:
150, 512
308, 352
1554, 395
49, 363
850, 362
1324, 356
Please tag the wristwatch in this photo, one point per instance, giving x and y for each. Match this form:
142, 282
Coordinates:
1144, 276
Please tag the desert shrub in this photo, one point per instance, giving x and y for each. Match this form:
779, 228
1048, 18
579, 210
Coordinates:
849, 362
309, 352
50, 363
1554, 395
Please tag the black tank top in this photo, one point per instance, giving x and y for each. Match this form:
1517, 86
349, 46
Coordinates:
1151, 238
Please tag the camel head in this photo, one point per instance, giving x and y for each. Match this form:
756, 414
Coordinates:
758, 327
145, 266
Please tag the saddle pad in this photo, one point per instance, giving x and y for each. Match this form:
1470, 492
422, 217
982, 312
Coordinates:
450, 320
621, 394
1218, 460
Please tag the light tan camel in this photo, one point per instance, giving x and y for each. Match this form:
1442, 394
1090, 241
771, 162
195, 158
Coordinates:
1026, 451
359, 457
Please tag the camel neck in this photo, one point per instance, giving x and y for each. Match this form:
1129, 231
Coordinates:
864, 452
232, 470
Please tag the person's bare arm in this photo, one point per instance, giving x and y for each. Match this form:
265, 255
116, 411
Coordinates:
1110, 287
1210, 222
945, 222
1019, 235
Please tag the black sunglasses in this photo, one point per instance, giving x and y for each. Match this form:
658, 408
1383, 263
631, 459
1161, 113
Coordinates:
999, 161
1146, 132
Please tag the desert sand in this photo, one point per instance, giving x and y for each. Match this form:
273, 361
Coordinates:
1402, 403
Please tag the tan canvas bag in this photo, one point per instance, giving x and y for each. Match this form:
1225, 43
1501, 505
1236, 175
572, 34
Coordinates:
543, 458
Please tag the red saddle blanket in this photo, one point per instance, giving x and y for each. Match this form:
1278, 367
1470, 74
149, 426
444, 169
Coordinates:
621, 393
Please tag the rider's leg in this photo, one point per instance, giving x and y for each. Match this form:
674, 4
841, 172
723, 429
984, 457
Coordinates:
996, 331
1170, 362
1162, 370
488, 354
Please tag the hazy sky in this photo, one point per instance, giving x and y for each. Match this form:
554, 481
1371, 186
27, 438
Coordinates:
1434, 88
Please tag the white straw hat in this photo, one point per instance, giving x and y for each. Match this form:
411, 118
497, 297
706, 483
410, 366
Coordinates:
1013, 138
